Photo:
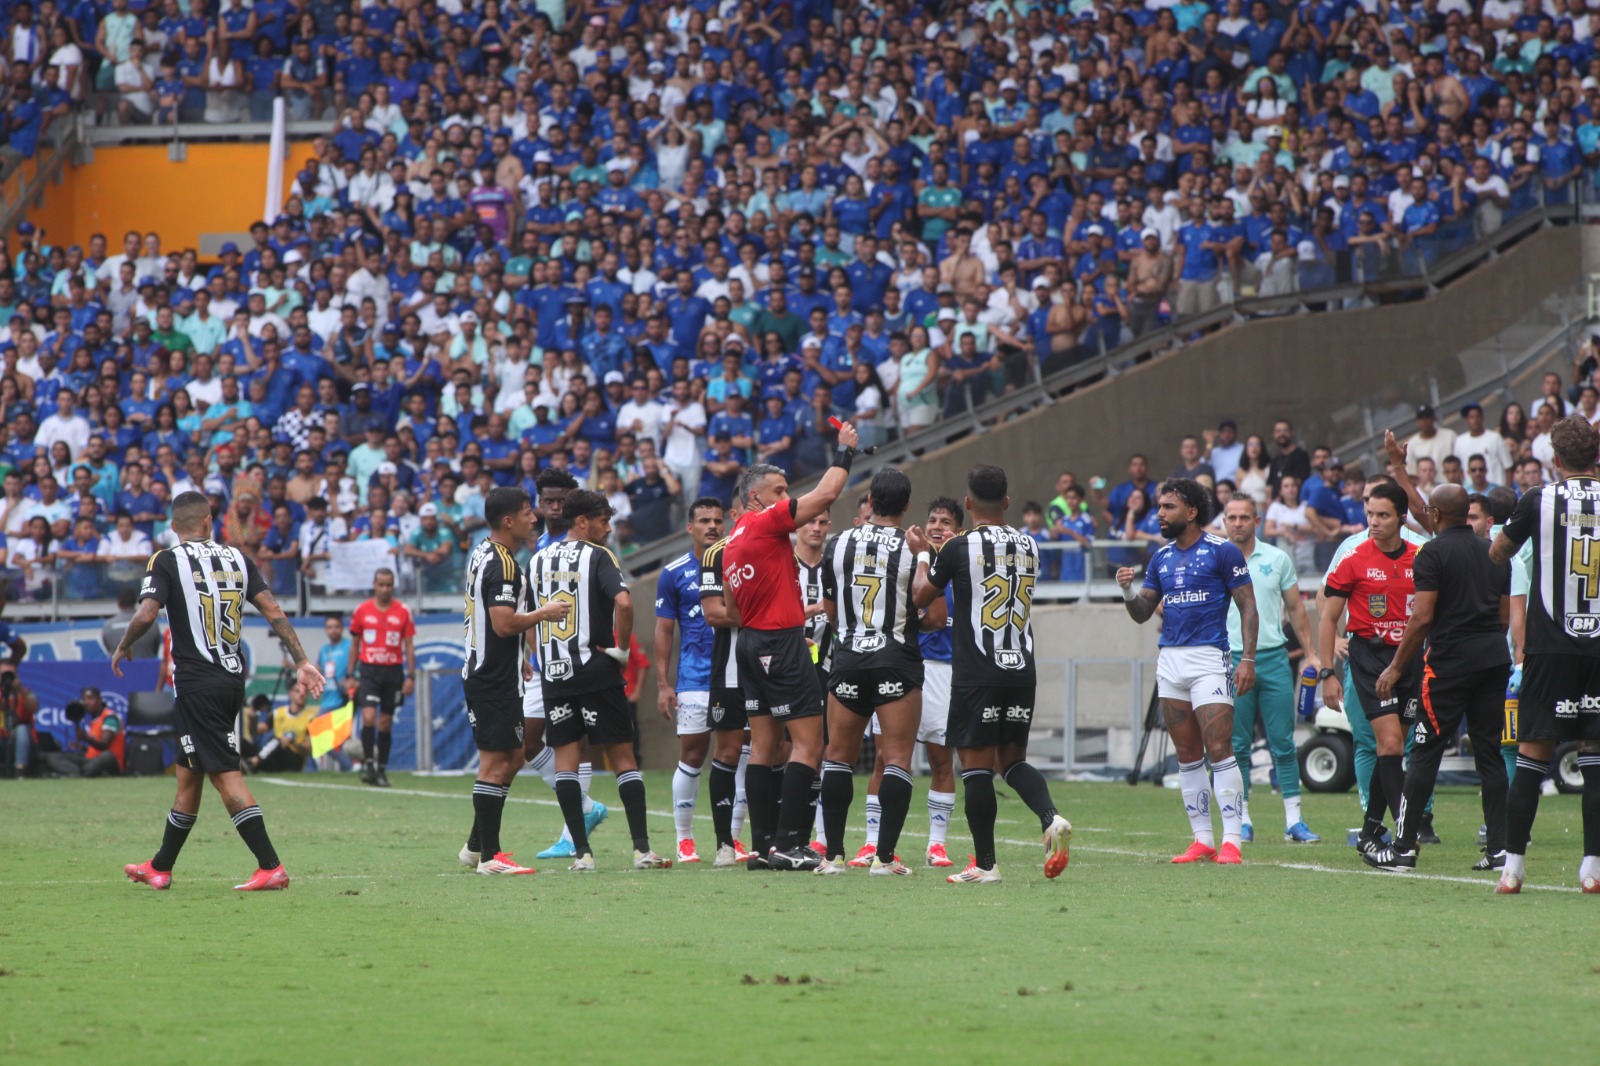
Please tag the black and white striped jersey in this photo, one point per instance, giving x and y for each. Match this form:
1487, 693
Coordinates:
992, 570
588, 579
867, 574
1563, 522
818, 628
492, 666
204, 587
724, 663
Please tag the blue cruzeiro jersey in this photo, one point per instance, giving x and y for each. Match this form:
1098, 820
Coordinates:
936, 645
1196, 588
678, 598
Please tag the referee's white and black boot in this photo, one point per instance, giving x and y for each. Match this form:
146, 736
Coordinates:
1390, 857
801, 859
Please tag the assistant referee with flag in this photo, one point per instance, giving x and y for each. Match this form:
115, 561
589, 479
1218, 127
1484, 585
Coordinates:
1462, 607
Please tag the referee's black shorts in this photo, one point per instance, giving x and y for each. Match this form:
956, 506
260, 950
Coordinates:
1560, 698
208, 729
777, 674
1370, 657
380, 686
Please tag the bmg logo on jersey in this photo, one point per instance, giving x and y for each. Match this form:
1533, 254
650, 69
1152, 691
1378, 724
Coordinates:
1010, 660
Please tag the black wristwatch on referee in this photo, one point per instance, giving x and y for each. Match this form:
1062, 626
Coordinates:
1325, 673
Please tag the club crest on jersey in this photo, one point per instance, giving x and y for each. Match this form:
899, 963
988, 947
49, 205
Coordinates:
1378, 604
766, 663
872, 643
557, 670
1009, 660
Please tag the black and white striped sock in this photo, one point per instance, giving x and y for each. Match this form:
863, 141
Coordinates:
489, 804
173, 835
630, 789
253, 829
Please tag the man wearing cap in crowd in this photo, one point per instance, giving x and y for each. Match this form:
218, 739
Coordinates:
1429, 441
1478, 440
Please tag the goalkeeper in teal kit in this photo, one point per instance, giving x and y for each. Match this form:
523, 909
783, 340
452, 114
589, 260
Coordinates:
1273, 697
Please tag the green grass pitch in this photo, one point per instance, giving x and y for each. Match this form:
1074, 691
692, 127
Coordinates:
385, 951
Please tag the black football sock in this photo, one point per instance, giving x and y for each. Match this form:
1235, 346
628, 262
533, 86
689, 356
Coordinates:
981, 809
1589, 766
838, 792
1392, 770
173, 834
474, 838
1522, 803
1372, 825
724, 786
758, 795
569, 795
794, 812
775, 800
489, 802
894, 800
369, 738
385, 741
253, 828
630, 789
1028, 783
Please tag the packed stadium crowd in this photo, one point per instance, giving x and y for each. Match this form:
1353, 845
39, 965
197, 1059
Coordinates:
653, 246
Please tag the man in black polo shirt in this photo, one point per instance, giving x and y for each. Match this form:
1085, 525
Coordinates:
1463, 603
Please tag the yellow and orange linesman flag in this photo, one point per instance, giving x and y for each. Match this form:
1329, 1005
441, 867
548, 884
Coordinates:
329, 731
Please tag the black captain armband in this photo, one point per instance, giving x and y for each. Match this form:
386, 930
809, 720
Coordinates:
843, 457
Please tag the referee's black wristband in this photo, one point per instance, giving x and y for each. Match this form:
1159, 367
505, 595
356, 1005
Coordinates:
843, 457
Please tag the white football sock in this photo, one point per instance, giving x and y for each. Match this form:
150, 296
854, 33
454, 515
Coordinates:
544, 764
1513, 866
685, 784
1195, 785
1291, 812
1229, 785
1589, 867
740, 806
874, 812
585, 777
941, 806
1244, 810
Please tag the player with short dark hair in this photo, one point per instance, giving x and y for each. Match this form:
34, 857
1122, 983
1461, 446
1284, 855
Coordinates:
203, 586
1462, 609
383, 635
775, 669
497, 616
554, 487
993, 569
1194, 578
1376, 581
728, 717
1561, 664
581, 657
877, 667
679, 615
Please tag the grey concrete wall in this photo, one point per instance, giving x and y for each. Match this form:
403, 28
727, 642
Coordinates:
1299, 367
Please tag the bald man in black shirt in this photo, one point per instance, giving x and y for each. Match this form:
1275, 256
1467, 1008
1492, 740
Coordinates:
1463, 604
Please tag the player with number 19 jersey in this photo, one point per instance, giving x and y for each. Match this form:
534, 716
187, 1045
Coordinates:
1196, 589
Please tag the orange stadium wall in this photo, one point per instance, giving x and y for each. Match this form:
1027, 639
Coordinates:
217, 189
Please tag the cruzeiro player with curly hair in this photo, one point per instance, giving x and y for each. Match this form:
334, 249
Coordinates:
1194, 578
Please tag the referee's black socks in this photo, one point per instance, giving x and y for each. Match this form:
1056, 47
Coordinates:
369, 740
253, 828
794, 812
385, 742
569, 795
1028, 783
488, 803
758, 791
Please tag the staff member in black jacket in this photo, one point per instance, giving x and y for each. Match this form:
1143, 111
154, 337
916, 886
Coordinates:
1463, 603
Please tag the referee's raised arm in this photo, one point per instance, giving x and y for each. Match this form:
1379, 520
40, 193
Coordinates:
833, 481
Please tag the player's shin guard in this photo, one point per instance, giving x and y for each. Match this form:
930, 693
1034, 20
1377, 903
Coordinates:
874, 818
838, 792
1589, 766
1229, 786
1029, 784
981, 810
630, 789
569, 794
941, 806
173, 834
895, 795
758, 790
1195, 785
685, 783
1522, 806
794, 812
385, 742
369, 740
253, 829
722, 787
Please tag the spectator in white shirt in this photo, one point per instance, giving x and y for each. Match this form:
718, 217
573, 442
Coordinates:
685, 429
1429, 440
641, 415
1478, 440
65, 425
